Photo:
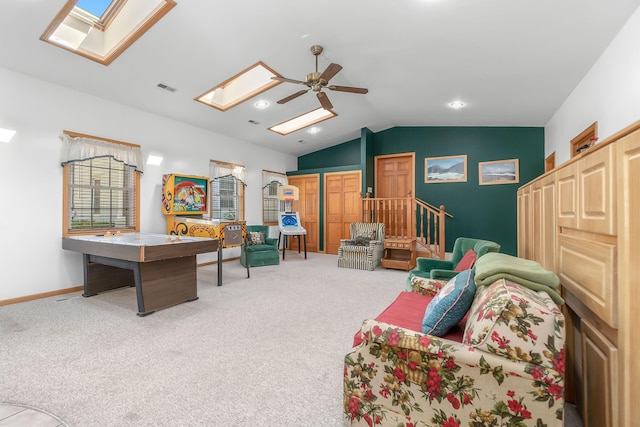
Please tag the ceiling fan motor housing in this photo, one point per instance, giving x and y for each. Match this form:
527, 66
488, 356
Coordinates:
316, 81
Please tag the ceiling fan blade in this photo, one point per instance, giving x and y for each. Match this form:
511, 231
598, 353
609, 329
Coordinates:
348, 89
331, 71
284, 79
294, 96
324, 101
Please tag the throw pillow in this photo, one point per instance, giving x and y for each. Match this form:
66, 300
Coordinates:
361, 241
467, 261
371, 235
255, 237
450, 305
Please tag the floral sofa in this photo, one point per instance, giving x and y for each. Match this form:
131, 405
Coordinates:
504, 366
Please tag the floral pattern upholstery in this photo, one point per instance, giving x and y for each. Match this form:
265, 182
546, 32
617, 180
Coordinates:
424, 286
508, 372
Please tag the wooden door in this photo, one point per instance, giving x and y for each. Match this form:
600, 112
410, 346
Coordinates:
308, 206
394, 177
343, 205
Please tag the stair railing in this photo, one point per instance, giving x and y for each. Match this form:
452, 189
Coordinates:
406, 217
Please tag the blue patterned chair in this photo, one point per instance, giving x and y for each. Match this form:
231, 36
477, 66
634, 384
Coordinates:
365, 247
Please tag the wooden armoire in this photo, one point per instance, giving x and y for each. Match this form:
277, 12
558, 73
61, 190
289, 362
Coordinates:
582, 220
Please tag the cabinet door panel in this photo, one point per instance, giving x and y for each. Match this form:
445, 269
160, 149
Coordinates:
597, 189
600, 367
567, 184
587, 269
629, 276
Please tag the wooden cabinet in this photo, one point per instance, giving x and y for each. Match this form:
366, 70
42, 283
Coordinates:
399, 253
579, 221
525, 241
628, 205
600, 368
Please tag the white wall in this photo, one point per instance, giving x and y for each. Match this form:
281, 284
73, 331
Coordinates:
609, 94
31, 256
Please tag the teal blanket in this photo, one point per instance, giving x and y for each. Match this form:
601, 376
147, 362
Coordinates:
494, 266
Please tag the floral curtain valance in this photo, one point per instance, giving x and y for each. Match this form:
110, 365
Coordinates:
80, 148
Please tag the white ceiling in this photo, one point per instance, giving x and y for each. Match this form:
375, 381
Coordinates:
513, 62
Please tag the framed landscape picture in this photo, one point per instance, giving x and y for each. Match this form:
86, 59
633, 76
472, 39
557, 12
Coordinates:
498, 172
445, 169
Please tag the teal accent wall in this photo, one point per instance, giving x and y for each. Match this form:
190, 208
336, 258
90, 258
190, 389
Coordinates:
347, 153
481, 211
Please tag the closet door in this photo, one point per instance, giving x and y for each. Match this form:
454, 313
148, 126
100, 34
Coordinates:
343, 205
308, 206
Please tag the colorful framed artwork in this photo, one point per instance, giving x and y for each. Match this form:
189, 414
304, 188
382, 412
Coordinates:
445, 169
498, 172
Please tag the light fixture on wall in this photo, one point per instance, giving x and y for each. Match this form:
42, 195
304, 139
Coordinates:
6, 134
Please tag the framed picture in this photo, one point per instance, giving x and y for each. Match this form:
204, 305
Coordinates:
445, 169
498, 172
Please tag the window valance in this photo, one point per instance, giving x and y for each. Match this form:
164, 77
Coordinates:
80, 148
268, 178
224, 170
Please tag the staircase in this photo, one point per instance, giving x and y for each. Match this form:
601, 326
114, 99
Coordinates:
409, 219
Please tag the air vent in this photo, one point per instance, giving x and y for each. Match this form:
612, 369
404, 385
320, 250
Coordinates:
165, 87
253, 122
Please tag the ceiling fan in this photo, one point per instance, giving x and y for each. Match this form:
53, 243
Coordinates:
316, 82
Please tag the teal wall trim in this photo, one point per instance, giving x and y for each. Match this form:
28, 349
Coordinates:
480, 211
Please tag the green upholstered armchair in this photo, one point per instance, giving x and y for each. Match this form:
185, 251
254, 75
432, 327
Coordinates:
433, 268
259, 252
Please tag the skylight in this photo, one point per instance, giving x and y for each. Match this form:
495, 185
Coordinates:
244, 85
307, 119
101, 30
95, 7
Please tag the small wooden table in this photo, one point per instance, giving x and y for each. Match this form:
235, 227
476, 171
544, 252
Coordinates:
161, 267
399, 253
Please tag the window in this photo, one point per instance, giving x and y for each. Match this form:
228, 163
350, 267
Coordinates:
227, 191
101, 30
584, 139
101, 183
270, 203
247, 84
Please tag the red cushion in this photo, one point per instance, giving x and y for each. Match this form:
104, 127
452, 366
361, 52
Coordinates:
467, 261
407, 311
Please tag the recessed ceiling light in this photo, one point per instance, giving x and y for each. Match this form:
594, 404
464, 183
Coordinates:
262, 104
314, 130
6, 134
456, 105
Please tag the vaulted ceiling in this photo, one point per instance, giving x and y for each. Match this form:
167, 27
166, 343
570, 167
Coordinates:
511, 62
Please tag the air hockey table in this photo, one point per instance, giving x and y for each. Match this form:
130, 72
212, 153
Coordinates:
161, 267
